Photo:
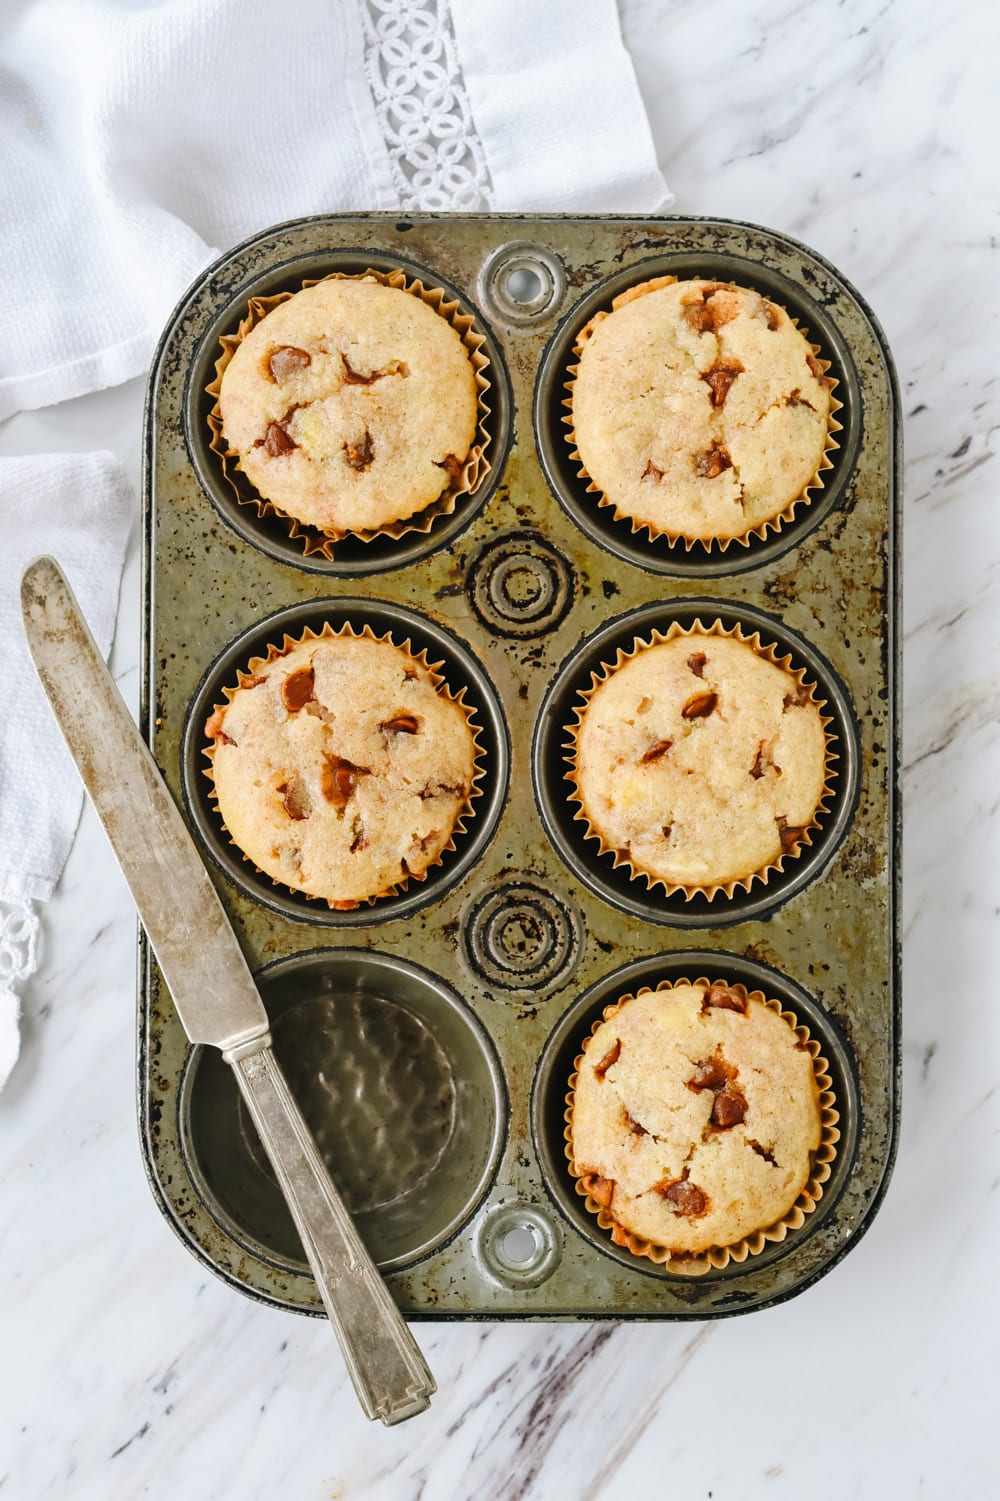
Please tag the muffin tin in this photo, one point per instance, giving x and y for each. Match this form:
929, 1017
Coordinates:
429, 1038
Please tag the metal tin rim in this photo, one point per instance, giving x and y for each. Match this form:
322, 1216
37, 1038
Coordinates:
747, 238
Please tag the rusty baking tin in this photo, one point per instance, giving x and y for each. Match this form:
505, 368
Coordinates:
430, 1037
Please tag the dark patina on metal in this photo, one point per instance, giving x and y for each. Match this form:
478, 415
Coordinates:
430, 1038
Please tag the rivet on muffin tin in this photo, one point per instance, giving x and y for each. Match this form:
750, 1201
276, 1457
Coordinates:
522, 283
519, 1244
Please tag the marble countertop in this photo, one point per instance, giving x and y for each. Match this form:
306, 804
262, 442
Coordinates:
128, 1370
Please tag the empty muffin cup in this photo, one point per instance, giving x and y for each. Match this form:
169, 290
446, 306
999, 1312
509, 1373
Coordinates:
397, 1081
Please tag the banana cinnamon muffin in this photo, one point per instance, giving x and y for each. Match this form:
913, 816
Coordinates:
341, 767
351, 405
699, 761
695, 1118
699, 409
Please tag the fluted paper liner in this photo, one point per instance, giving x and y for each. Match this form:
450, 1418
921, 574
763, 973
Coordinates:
474, 468
697, 1264
289, 643
771, 654
770, 523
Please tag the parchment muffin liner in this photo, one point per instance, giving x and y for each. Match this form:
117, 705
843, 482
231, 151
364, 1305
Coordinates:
475, 466
769, 653
763, 528
420, 659
717, 1258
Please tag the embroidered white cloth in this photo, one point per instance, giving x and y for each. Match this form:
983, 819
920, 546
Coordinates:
141, 140
78, 507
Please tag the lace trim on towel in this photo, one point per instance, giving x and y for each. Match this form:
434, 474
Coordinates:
412, 65
18, 960
18, 942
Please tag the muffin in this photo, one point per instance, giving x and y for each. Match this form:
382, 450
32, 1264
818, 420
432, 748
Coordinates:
700, 759
351, 405
699, 1122
699, 411
341, 766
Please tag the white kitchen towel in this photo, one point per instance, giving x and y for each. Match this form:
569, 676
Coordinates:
139, 140
79, 508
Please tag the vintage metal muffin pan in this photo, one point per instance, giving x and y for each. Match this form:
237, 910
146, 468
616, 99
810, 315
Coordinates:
429, 1037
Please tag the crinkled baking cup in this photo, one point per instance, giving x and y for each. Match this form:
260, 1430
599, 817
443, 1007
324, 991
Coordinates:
339, 776
701, 703
464, 481
716, 458
731, 1113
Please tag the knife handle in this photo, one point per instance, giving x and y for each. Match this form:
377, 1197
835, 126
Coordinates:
389, 1373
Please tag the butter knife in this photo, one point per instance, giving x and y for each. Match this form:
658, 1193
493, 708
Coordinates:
211, 985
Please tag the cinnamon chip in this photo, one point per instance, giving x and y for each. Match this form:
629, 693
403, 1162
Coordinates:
600, 1069
730, 1108
687, 1198
360, 455
400, 724
356, 378
712, 1073
700, 706
720, 378
600, 1189
789, 834
761, 763
724, 999
277, 442
287, 360
340, 778
297, 689
296, 799
713, 462
214, 730
656, 751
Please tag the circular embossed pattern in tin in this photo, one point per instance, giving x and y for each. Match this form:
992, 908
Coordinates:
557, 1063
598, 871
658, 555
460, 671
521, 586
399, 1085
522, 937
353, 557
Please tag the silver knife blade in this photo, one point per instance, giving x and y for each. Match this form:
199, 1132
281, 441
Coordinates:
191, 936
